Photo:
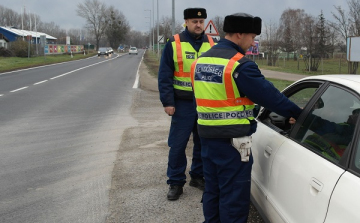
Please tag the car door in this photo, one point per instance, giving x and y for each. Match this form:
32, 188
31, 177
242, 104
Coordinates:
297, 179
266, 142
344, 204
270, 135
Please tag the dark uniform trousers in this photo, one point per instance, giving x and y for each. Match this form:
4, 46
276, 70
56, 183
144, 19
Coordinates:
183, 123
223, 170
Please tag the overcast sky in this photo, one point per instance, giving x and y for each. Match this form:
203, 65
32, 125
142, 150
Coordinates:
63, 13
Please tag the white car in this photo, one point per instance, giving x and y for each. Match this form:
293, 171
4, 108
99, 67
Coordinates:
310, 172
110, 50
133, 50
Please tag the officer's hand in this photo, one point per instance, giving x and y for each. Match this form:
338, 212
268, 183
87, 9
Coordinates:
169, 110
292, 121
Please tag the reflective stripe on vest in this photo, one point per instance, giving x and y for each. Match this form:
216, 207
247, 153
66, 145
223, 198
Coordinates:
225, 115
182, 71
217, 97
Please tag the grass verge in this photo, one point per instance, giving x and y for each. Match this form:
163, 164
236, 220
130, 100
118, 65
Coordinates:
15, 63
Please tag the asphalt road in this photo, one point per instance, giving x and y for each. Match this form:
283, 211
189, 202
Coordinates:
61, 127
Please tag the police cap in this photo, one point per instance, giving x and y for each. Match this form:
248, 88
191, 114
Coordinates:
193, 13
242, 23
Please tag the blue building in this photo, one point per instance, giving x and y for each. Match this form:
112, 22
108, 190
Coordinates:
12, 34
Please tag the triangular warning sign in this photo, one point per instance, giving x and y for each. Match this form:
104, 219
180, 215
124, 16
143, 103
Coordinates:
211, 30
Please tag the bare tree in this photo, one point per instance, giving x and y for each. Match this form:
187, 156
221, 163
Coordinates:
308, 40
165, 27
341, 23
219, 23
271, 42
349, 24
54, 30
95, 14
354, 16
9, 17
136, 38
291, 30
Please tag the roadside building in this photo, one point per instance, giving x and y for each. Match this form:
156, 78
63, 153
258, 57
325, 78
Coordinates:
12, 34
3, 41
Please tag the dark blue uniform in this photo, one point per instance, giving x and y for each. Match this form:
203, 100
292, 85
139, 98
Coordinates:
183, 122
228, 179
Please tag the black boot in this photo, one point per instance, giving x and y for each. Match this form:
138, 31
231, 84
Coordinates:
174, 192
198, 183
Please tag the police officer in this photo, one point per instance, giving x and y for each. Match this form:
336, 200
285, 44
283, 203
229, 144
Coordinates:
176, 95
226, 85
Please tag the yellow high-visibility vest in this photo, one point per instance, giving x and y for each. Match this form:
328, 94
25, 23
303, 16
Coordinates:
222, 111
183, 55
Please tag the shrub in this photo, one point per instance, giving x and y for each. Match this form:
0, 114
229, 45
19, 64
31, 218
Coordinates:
20, 48
5, 52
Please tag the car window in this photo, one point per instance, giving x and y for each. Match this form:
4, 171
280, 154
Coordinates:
329, 125
303, 96
300, 95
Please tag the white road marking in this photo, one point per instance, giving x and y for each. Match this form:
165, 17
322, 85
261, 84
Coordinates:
81, 68
137, 79
40, 82
15, 71
19, 89
61, 75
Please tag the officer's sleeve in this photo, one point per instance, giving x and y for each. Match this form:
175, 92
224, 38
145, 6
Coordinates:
253, 84
165, 76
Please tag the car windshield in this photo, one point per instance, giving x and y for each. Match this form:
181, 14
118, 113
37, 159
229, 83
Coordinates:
133, 48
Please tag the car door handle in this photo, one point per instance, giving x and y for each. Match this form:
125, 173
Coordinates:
267, 151
316, 184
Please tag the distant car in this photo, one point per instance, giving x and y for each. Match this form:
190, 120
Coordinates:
103, 51
110, 50
310, 171
133, 50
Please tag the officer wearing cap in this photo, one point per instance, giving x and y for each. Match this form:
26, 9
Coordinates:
226, 85
177, 96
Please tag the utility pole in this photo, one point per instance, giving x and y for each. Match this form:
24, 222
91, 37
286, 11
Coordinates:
158, 48
153, 25
173, 18
150, 27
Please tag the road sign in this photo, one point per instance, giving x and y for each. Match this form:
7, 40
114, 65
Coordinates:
183, 25
211, 30
43, 40
161, 39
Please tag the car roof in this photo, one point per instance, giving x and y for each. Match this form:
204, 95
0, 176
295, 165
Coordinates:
348, 80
